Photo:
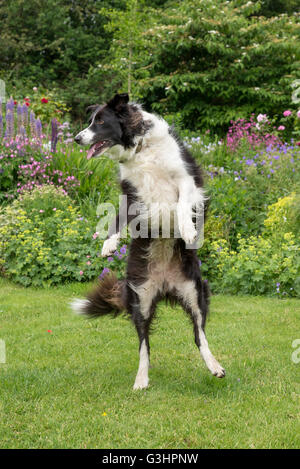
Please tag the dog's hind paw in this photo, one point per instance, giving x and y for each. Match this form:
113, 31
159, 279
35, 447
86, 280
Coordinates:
217, 370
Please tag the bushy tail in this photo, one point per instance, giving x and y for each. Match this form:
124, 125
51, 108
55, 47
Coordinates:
107, 297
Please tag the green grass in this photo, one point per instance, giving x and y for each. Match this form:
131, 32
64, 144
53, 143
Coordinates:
55, 388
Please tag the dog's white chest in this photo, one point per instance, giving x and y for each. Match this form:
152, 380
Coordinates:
153, 183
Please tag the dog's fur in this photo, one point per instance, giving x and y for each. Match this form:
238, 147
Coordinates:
155, 168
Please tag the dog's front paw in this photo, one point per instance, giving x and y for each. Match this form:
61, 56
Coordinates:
110, 245
216, 369
141, 382
188, 232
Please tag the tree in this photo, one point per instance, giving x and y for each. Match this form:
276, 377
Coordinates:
214, 61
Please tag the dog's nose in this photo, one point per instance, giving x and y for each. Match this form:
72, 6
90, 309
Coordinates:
77, 139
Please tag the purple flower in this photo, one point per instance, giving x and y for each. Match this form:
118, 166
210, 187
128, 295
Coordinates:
24, 115
32, 124
9, 124
103, 273
19, 117
38, 128
10, 105
123, 249
54, 136
110, 259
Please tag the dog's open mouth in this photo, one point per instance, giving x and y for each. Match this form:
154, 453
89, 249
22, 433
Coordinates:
98, 148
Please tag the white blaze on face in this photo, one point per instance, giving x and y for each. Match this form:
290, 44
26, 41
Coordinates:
86, 136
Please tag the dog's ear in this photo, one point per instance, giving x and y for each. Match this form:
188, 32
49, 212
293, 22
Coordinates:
92, 108
119, 102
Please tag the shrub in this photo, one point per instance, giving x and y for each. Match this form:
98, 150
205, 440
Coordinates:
284, 215
217, 61
247, 181
253, 134
97, 177
265, 264
44, 240
259, 266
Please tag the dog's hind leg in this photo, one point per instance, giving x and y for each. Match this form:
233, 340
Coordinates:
143, 302
197, 305
192, 295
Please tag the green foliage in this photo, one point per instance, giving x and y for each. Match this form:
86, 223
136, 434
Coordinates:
246, 182
97, 177
284, 215
12, 155
275, 7
44, 240
260, 265
53, 108
215, 62
127, 45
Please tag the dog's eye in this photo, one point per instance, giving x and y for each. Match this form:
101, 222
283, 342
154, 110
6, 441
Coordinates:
100, 122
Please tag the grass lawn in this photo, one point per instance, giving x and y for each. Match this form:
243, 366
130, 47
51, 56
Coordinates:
72, 388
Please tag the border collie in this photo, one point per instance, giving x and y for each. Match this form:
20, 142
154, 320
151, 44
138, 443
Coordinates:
155, 170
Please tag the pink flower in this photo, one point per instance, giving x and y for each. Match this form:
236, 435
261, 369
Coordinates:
81, 272
88, 263
287, 113
95, 235
41, 211
262, 118
298, 114
54, 209
281, 127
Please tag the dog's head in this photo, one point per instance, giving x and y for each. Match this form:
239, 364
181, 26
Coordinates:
114, 123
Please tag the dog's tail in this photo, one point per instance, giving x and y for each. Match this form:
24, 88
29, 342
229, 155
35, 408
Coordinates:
107, 297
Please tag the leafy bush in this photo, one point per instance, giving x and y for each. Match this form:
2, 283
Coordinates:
25, 164
48, 105
44, 240
216, 61
284, 215
97, 178
259, 266
247, 181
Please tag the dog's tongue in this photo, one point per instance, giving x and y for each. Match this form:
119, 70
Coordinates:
91, 151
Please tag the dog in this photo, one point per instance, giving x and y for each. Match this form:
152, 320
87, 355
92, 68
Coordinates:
156, 170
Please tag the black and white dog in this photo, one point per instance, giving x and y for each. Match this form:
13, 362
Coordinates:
155, 170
